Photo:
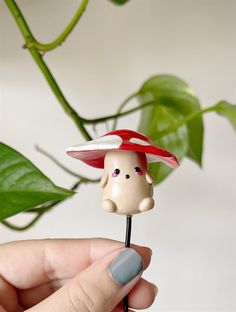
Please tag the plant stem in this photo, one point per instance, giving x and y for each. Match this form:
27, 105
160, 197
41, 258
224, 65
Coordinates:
62, 37
142, 106
28, 36
58, 93
117, 115
184, 121
83, 179
121, 107
25, 227
57, 162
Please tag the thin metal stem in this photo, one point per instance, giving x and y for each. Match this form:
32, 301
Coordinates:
128, 231
127, 245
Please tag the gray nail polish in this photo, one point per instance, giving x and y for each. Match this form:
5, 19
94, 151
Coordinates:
126, 266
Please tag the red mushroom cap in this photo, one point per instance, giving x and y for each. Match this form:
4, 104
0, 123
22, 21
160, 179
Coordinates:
93, 152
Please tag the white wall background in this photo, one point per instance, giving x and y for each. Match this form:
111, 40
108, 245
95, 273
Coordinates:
107, 57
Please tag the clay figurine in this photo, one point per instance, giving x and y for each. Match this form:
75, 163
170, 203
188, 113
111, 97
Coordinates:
126, 181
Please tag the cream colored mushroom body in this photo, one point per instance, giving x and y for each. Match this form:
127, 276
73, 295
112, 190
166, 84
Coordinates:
126, 183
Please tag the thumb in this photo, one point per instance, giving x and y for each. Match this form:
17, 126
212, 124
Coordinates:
98, 288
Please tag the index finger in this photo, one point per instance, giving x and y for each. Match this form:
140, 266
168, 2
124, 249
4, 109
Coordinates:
27, 264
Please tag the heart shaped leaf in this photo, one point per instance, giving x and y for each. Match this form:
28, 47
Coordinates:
176, 142
227, 110
173, 100
171, 91
22, 185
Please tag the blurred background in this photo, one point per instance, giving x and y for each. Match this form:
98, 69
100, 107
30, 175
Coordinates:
106, 58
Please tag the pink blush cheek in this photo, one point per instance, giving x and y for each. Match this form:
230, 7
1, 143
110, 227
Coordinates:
114, 175
139, 173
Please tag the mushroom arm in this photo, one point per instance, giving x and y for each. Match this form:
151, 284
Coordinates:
104, 179
149, 178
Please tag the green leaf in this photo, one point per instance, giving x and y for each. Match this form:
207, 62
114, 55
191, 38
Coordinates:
119, 2
170, 91
227, 110
176, 142
22, 185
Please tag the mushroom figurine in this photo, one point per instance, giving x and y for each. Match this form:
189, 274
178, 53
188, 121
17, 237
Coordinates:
126, 181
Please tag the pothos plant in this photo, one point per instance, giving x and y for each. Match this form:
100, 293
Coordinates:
171, 115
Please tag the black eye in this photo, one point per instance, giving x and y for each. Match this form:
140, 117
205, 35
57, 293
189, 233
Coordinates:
138, 171
116, 173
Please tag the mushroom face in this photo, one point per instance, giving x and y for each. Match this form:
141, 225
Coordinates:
126, 182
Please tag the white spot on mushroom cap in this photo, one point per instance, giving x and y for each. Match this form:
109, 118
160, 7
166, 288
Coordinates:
169, 161
103, 143
139, 141
153, 158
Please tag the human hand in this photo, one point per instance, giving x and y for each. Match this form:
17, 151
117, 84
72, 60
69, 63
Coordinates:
66, 275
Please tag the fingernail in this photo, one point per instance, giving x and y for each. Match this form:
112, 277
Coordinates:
126, 266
